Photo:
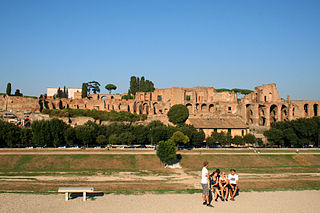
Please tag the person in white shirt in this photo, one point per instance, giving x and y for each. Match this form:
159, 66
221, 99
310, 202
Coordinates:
204, 184
233, 183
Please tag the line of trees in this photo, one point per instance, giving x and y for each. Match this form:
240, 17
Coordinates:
8, 91
225, 139
95, 114
140, 85
236, 90
54, 133
296, 133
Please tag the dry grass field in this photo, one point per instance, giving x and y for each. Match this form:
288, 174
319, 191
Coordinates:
135, 171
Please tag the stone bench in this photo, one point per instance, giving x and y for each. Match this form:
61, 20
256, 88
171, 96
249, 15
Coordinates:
69, 190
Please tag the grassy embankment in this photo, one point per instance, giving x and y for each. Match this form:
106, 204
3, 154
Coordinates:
257, 172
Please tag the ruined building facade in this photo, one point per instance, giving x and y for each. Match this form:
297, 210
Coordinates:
258, 109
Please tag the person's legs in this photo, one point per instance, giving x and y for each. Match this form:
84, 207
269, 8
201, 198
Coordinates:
215, 194
234, 192
227, 193
222, 192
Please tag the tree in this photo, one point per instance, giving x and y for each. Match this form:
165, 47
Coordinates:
179, 138
166, 151
8, 91
133, 85
178, 114
17, 93
141, 134
94, 86
250, 139
84, 91
237, 140
85, 134
70, 136
157, 134
57, 128
274, 136
110, 87
59, 93
197, 138
25, 136
126, 138
114, 139
102, 140
64, 94
41, 133
142, 85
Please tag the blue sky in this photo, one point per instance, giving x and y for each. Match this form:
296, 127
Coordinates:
224, 44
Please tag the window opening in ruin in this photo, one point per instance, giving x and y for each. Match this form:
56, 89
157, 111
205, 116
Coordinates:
315, 109
112, 97
104, 98
204, 107
159, 97
229, 131
215, 130
188, 97
306, 106
242, 132
211, 108
229, 108
265, 98
189, 107
273, 114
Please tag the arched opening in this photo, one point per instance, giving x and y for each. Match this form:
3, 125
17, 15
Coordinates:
273, 114
284, 113
315, 109
112, 97
189, 107
128, 108
119, 107
197, 107
249, 114
155, 108
211, 108
262, 116
104, 98
203, 107
306, 109
145, 108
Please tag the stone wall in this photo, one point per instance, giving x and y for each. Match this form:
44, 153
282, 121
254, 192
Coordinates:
258, 109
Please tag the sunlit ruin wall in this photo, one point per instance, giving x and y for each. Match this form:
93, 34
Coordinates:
258, 109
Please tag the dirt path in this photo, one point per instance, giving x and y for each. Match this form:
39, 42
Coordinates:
150, 152
252, 202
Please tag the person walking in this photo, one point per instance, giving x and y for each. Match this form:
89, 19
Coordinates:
204, 184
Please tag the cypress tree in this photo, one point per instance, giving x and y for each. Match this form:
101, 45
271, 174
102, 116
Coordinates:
133, 85
84, 91
64, 95
8, 92
142, 85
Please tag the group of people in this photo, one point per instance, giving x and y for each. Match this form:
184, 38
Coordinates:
220, 185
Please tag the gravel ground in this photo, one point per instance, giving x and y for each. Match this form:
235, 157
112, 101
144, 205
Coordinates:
288, 201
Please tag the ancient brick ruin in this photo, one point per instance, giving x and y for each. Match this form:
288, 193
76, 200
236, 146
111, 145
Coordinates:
258, 109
